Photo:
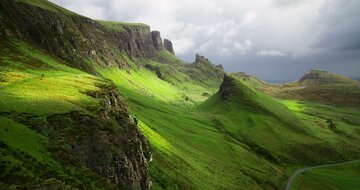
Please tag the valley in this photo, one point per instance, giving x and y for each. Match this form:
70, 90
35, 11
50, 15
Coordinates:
104, 105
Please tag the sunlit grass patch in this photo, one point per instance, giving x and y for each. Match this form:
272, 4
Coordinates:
293, 105
155, 139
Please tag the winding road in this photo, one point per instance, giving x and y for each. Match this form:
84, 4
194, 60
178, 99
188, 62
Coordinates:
302, 170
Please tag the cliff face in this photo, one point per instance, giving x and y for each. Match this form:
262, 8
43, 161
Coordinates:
75, 38
169, 46
105, 140
228, 88
157, 41
108, 142
318, 77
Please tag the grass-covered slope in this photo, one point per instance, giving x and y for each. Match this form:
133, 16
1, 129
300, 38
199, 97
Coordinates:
63, 89
50, 116
316, 87
346, 176
238, 139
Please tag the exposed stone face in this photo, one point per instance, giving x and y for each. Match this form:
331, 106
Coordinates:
318, 77
157, 41
75, 38
227, 88
110, 144
169, 46
201, 59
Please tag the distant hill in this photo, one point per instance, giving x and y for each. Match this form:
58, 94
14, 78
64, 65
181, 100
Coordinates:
315, 86
317, 77
89, 104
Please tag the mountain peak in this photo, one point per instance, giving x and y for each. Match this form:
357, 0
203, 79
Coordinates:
169, 46
319, 77
201, 59
157, 41
231, 88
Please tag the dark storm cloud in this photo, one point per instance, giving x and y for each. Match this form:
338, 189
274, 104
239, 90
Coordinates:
274, 39
339, 26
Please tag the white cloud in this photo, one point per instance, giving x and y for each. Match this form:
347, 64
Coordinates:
272, 53
243, 48
182, 45
249, 18
228, 31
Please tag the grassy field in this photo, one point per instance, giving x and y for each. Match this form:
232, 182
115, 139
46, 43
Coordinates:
335, 177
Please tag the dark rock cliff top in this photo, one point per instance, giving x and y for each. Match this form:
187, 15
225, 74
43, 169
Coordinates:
157, 41
201, 59
228, 88
318, 77
169, 46
77, 39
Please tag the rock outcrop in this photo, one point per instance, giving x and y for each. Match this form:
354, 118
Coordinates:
228, 88
77, 39
232, 88
157, 41
201, 59
203, 70
169, 46
318, 77
110, 143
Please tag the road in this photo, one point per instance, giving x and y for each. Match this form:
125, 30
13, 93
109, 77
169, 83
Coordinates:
302, 170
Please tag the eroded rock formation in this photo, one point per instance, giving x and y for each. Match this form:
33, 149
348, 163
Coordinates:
169, 46
157, 41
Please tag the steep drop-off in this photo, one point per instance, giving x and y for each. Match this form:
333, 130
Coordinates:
77, 39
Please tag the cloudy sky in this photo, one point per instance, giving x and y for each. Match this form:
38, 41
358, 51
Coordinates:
275, 40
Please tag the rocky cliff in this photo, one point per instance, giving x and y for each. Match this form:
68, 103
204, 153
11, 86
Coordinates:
110, 143
104, 139
208, 68
77, 39
318, 77
228, 88
157, 41
169, 46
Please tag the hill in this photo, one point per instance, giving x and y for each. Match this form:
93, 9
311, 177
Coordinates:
315, 86
94, 104
317, 77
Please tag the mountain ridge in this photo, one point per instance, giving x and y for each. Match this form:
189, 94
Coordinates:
122, 111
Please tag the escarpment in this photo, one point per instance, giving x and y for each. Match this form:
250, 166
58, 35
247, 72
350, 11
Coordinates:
318, 77
228, 88
157, 41
108, 142
209, 70
169, 46
76, 39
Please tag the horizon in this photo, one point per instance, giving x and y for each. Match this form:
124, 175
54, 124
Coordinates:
254, 98
247, 36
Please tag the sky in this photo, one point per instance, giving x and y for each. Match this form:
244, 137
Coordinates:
274, 40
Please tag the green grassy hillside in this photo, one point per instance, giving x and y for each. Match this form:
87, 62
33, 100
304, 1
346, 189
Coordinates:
60, 121
335, 177
34, 86
315, 86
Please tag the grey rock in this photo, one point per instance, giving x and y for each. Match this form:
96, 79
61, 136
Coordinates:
157, 41
169, 46
110, 143
74, 38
